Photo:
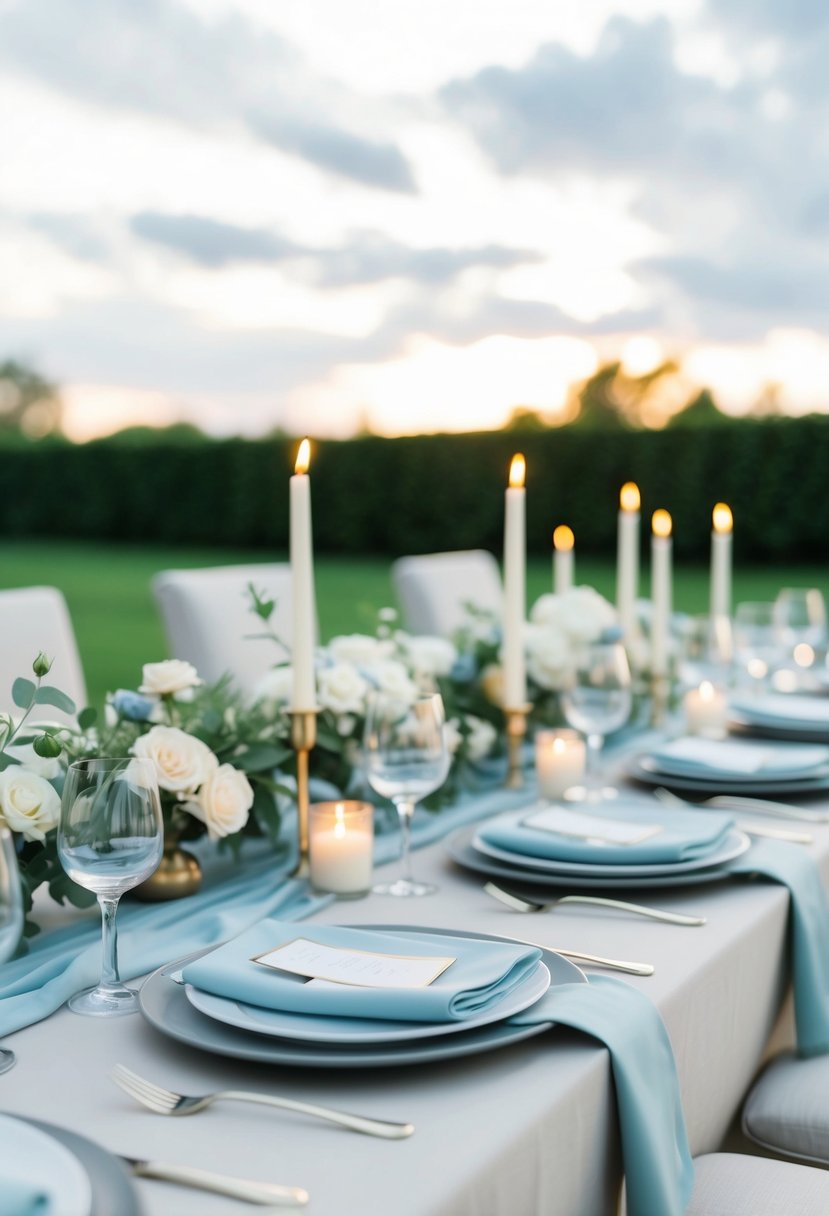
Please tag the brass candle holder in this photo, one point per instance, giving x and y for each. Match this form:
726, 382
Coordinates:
516, 726
660, 696
303, 738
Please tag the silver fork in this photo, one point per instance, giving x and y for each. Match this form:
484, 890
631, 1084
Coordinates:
751, 829
521, 904
268, 1194
167, 1102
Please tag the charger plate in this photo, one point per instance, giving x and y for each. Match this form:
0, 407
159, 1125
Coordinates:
463, 852
164, 1004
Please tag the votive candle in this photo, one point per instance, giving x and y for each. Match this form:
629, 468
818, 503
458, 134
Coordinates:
341, 839
706, 711
560, 757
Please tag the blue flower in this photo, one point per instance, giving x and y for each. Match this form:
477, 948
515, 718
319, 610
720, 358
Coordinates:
463, 669
131, 705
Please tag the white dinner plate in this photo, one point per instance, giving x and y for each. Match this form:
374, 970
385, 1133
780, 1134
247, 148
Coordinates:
732, 846
314, 1028
31, 1154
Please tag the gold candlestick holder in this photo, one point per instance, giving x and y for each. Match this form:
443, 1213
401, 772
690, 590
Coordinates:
303, 738
660, 693
516, 724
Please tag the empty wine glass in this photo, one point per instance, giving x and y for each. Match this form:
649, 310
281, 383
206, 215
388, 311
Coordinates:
706, 651
11, 915
406, 758
756, 641
597, 700
800, 617
110, 839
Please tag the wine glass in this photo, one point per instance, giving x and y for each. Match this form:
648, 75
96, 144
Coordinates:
11, 915
597, 700
406, 758
110, 838
756, 640
800, 617
706, 651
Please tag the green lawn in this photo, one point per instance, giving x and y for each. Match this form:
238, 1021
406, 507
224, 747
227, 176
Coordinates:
107, 589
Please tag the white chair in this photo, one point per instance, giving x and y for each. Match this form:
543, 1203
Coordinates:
787, 1111
33, 619
433, 589
209, 622
733, 1184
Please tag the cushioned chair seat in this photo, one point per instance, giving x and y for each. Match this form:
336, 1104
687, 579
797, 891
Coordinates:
433, 589
788, 1109
33, 619
730, 1184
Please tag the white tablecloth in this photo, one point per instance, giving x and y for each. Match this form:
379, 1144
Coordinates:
526, 1131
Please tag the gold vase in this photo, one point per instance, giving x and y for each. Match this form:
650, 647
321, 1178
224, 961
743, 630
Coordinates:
178, 874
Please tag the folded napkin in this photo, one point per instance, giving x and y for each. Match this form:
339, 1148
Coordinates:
796, 869
736, 758
659, 1173
683, 835
785, 709
22, 1198
482, 975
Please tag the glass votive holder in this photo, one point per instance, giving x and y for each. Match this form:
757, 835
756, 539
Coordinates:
560, 757
706, 711
340, 844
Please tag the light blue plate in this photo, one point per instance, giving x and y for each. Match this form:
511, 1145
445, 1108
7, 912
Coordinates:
462, 851
164, 1004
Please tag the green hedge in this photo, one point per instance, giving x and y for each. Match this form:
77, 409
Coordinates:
431, 492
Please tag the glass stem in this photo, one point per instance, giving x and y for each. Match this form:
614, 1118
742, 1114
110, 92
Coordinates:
405, 811
109, 962
593, 764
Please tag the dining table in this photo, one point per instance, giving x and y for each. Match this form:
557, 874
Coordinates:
526, 1130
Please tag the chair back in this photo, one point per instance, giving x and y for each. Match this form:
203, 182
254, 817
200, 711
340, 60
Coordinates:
433, 589
33, 619
209, 622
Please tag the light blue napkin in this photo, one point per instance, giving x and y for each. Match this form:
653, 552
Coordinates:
796, 869
659, 1173
782, 709
737, 759
685, 835
482, 974
22, 1198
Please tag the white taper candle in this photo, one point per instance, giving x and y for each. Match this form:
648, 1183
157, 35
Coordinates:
721, 548
661, 545
627, 559
563, 559
303, 695
515, 590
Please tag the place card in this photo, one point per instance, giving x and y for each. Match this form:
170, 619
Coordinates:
562, 822
362, 968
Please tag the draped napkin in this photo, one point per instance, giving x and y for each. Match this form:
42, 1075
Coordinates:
735, 758
684, 835
482, 974
796, 869
784, 709
659, 1173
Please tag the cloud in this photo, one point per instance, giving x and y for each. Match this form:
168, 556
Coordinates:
75, 234
158, 59
210, 242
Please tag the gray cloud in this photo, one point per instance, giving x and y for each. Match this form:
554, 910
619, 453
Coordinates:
210, 242
157, 57
77, 234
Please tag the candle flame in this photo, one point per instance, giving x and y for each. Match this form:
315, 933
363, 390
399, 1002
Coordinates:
559, 746
706, 691
661, 523
303, 457
723, 519
517, 470
563, 538
629, 497
339, 820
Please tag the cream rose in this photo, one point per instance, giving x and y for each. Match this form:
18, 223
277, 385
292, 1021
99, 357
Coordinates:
428, 656
359, 648
223, 802
170, 676
182, 761
276, 685
481, 738
28, 803
549, 656
341, 689
392, 679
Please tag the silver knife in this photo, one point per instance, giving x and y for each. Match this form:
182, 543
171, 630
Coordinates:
265, 1193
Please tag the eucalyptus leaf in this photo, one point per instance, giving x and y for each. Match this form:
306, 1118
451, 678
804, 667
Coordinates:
87, 717
23, 692
261, 756
48, 695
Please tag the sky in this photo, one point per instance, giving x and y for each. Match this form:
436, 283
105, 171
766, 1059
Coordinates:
325, 215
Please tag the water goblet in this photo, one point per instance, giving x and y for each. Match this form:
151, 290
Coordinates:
110, 838
406, 758
757, 645
800, 618
706, 651
596, 700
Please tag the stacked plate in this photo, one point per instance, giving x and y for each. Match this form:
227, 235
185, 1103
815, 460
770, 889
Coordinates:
626, 844
736, 766
782, 716
245, 1030
47, 1168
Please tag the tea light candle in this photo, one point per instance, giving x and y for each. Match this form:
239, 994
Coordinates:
563, 543
559, 761
341, 838
706, 711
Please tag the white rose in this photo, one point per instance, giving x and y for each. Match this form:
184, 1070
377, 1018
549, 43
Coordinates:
581, 614
428, 656
182, 761
549, 656
452, 735
29, 804
223, 802
342, 689
481, 737
276, 685
392, 678
170, 676
360, 649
